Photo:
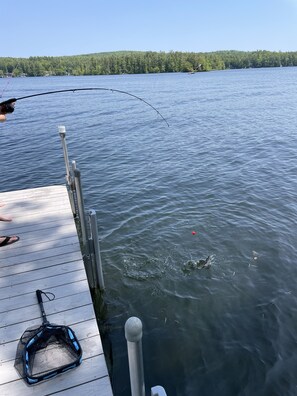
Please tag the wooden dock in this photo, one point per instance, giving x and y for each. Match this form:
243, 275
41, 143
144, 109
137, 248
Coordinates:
46, 257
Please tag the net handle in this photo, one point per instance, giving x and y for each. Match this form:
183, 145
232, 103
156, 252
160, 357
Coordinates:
40, 302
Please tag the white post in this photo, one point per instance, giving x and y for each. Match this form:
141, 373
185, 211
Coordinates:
133, 334
158, 391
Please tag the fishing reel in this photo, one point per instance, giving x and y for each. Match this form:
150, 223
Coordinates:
6, 107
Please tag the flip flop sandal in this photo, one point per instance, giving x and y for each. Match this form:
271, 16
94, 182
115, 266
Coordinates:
8, 240
5, 218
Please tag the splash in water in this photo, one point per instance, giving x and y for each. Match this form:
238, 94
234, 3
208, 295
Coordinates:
192, 265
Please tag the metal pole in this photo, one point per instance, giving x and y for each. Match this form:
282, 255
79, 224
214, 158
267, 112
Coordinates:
133, 334
97, 256
80, 204
69, 177
73, 165
71, 190
62, 133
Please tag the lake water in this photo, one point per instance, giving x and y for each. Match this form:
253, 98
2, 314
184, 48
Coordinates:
226, 168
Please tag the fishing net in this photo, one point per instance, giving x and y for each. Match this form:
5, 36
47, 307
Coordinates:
46, 350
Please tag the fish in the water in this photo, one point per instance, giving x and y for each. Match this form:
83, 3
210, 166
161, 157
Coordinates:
192, 265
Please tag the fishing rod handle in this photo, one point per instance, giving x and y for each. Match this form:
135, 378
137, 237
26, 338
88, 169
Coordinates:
40, 302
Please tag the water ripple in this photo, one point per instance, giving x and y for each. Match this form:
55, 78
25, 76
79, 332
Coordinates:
220, 182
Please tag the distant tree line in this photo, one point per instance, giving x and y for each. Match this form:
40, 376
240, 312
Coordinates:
134, 62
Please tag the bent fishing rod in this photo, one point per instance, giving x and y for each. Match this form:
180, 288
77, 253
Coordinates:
7, 106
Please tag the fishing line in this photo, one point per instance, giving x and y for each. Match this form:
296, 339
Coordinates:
8, 105
9, 77
5, 87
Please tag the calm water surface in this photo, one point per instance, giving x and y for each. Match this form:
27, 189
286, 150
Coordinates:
226, 169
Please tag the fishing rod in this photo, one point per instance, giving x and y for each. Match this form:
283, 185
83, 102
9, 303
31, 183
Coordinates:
7, 106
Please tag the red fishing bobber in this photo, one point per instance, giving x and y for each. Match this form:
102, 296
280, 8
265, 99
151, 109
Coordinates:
194, 232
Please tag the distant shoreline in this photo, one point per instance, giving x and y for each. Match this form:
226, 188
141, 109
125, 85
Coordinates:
137, 62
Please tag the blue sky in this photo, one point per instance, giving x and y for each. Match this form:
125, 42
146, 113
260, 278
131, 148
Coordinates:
72, 27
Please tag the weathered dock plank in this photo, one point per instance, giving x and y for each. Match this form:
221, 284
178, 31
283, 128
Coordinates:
46, 257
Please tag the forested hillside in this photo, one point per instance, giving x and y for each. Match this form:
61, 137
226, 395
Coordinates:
133, 62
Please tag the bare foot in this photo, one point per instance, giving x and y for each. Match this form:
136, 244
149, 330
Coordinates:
5, 218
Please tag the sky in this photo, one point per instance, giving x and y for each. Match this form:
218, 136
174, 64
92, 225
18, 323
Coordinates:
72, 27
